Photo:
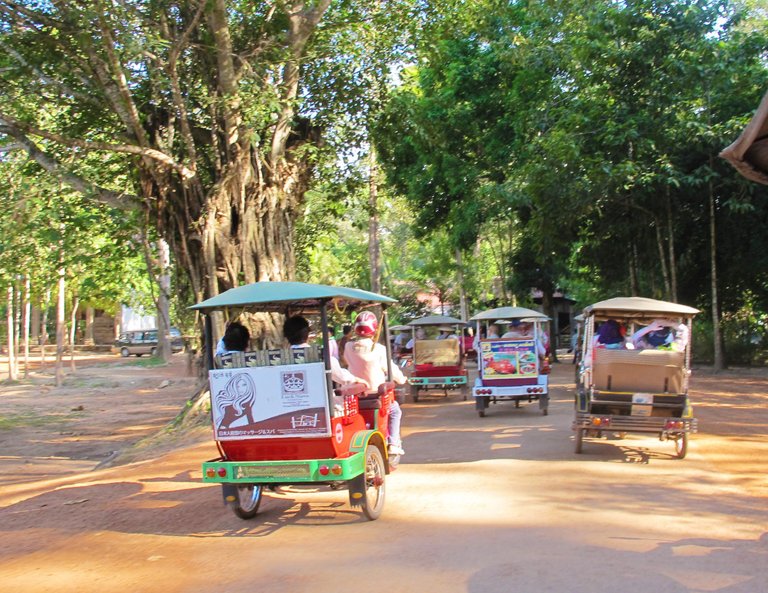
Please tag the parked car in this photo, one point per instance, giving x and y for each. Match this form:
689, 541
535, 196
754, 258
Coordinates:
144, 341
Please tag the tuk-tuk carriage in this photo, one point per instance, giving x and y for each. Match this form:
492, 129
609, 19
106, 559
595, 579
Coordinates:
511, 368
634, 370
277, 417
438, 361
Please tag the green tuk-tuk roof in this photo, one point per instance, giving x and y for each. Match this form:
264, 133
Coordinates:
279, 296
436, 320
509, 313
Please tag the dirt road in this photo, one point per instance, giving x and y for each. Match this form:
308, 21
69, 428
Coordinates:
497, 504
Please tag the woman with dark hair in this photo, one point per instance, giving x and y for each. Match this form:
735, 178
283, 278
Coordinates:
236, 339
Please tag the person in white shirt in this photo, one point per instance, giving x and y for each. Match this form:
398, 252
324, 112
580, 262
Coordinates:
447, 333
368, 360
420, 335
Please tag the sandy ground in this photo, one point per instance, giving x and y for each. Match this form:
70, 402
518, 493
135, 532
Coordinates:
494, 504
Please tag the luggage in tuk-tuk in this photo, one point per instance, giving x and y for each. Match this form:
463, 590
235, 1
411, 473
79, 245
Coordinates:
634, 370
277, 417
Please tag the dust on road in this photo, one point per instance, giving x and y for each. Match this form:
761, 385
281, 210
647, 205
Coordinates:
492, 504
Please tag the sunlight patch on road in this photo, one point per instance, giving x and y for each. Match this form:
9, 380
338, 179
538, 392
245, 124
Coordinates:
706, 580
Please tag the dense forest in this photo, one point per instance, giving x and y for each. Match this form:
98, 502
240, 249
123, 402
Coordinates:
159, 152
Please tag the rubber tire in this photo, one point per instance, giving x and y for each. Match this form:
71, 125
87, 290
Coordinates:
374, 496
153, 351
481, 413
124, 352
578, 440
681, 446
246, 506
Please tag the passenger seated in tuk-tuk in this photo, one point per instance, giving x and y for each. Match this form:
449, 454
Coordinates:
368, 360
236, 338
521, 330
518, 330
401, 339
346, 331
492, 333
661, 334
420, 335
447, 333
296, 331
611, 335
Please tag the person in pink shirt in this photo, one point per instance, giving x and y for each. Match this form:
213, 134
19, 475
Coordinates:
368, 360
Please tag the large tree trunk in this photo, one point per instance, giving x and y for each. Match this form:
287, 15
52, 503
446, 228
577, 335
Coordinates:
12, 372
374, 251
25, 322
663, 260
671, 249
719, 362
548, 305
73, 331
460, 281
61, 325
224, 186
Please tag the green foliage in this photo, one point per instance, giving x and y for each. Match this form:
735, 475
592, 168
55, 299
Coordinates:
45, 226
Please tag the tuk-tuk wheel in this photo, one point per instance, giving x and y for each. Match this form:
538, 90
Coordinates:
124, 352
374, 494
578, 440
681, 445
481, 413
246, 504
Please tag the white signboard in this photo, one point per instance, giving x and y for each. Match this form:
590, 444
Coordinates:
269, 402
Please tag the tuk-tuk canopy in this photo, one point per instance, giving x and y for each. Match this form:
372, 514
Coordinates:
400, 328
436, 320
509, 313
279, 296
749, 152
638, 307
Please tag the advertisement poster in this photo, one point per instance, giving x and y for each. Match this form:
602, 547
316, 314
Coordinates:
269, 402
508, 359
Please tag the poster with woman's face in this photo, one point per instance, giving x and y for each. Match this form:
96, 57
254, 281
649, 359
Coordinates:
269, 402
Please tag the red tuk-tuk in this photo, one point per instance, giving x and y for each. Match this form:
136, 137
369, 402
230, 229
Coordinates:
277, 417
438, 360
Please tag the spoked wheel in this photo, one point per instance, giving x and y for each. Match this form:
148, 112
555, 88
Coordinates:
246, 505
681, 445
373, 502
578, 440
